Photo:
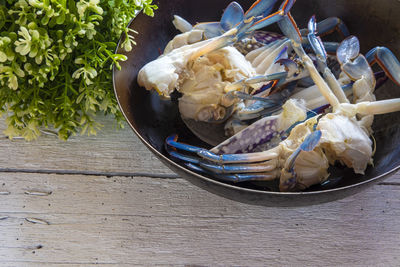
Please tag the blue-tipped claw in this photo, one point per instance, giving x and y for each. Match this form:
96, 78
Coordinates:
352, 62
232, 16
348, 50
315, 41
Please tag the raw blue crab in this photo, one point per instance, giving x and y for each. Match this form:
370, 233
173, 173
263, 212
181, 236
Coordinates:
303, 158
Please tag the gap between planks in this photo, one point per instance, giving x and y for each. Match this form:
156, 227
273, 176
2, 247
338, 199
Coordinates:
114, 174
91, 173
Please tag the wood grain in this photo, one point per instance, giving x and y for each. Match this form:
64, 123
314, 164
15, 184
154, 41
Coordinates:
110, 151
146, 221
98, 218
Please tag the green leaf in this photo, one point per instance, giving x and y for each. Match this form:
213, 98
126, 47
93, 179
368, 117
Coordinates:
50, 50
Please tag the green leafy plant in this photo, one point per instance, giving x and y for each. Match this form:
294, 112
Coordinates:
56, 58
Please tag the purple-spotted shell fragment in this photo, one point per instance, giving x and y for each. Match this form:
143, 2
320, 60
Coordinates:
250, 138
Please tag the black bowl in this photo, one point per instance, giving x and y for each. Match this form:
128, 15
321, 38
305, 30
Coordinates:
152, 119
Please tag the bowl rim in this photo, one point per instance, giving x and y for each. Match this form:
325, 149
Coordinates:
220, 183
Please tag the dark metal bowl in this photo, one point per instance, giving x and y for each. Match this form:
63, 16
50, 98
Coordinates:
152, 119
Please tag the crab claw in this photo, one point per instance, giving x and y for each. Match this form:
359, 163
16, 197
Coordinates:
315, 41
348, 50
232, 16
352, 62
320, 52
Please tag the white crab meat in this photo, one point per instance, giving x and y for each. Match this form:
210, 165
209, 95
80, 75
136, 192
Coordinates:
204, 87
201, 77
344, 140
165, 73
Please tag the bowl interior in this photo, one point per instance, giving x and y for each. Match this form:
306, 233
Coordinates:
153, 119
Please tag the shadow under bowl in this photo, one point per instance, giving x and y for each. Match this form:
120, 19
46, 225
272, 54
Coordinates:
153, 119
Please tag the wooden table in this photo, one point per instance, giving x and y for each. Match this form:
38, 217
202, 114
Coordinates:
107, 200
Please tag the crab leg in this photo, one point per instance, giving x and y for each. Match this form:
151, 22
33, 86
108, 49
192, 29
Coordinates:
328, 26
226, 158
196, 164
290, 29
245, 167
237, 177
268, 158
387, 61
318, 47
374, 107
353, 63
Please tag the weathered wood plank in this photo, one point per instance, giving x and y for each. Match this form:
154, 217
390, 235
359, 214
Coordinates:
91, 220
110, 151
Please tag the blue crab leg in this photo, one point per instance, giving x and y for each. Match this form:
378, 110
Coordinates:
237, 177
180, 156
172, 141
284, 9
268, 167
318, 47
328, 26
240, 158
224, 158
387, 61
260, 7
290, 29
231, 175
330, 47
264, 106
